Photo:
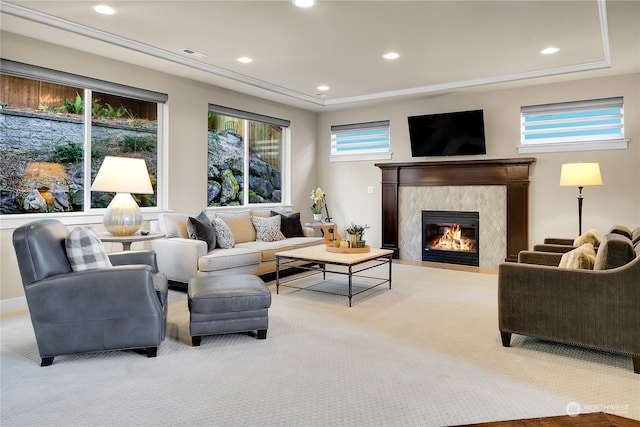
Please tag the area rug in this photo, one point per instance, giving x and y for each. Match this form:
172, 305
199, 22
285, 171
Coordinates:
425, 353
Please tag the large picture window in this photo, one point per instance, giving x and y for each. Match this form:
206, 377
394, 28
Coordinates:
245, 158
55, 130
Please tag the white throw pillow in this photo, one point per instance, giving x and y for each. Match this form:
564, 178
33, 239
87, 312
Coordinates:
174, 225
85, 250
224, 236
267, 229
583, 257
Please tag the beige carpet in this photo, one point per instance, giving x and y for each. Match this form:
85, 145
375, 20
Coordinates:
426, 352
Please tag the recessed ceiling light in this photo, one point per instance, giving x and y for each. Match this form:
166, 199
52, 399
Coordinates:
323, 87
304, 3
549, 50
391, 55
244, 59
104, 9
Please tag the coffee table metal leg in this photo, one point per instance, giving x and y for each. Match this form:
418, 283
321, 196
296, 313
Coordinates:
277, 275
350, 286
390, 263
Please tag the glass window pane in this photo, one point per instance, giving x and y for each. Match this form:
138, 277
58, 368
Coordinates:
265, 177
41, 147
225, 171
123, 127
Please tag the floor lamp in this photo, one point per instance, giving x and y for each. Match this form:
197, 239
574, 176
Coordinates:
580, 175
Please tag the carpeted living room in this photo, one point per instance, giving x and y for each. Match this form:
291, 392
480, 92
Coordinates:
475, 162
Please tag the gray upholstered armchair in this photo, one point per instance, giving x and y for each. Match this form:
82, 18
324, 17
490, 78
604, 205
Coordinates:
114, 308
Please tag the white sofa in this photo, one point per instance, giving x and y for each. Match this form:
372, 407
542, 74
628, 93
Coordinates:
181, 258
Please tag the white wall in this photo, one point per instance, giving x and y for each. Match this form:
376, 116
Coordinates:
553, 209
187, 131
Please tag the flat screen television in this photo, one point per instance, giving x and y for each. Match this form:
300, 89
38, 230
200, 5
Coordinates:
447, 134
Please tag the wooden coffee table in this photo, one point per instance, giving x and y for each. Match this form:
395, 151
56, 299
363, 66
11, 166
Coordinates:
318, 260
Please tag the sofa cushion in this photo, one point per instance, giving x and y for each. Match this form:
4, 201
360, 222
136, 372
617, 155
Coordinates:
200, 228
582, 257
590, 236
174, 225
635, 236
240, 225
268, 250
303, 242
614, 251
290, 225
219, 259
224, 236
85, 250
267, 229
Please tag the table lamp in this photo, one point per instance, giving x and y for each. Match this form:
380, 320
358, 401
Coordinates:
123, 176
580, 175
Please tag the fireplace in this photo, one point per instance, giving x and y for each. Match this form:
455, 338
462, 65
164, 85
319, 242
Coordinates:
513, 174
451, 237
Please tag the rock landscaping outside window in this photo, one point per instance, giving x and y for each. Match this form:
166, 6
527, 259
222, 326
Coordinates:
43, 144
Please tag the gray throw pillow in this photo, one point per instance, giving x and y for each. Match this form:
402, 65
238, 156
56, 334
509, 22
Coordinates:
224, 236
200, 228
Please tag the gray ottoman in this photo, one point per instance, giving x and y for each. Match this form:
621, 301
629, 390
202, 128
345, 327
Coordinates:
228, 304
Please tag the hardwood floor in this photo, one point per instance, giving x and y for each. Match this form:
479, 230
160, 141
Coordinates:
597, 419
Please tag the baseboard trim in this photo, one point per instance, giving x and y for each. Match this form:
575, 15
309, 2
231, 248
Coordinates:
7, 305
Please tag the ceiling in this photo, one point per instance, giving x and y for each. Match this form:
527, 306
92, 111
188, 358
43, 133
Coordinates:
444, 46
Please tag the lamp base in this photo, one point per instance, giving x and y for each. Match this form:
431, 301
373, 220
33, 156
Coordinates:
123, 217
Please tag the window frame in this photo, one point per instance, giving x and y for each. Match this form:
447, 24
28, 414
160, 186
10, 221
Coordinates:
562, 119
355, 138
284, 124
89, 85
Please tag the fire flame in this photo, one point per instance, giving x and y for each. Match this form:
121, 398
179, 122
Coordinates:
452, 240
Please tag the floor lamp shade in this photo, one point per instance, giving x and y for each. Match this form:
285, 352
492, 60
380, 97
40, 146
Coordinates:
123, 176
580, 175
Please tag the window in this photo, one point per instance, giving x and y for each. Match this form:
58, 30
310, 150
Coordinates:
360, 141
245, 155
55, 130
573, 126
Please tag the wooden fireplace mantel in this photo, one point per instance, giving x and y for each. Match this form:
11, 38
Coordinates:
513, 173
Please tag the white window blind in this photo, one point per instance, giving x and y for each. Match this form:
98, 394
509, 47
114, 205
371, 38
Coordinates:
360, 141
571, 126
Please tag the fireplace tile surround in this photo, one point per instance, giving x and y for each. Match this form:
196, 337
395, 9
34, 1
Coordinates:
489, 201
502, 184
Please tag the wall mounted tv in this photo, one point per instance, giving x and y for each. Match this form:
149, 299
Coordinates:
448, 134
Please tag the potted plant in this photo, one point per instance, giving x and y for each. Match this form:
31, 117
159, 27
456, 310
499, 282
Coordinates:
354, 235
317, 196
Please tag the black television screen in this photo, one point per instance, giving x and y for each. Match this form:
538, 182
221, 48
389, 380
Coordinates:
447, 134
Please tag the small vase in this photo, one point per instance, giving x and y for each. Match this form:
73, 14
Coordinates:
317, 217
353, 238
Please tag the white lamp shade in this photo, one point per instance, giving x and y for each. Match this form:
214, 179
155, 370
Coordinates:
580, 174
123, 175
